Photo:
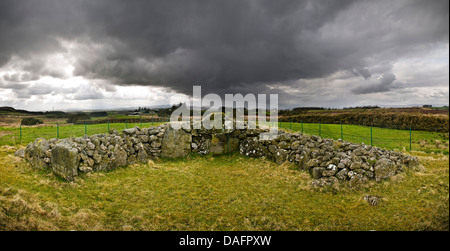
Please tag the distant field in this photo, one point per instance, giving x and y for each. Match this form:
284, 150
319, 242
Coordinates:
230, 192
11, 135
424, 119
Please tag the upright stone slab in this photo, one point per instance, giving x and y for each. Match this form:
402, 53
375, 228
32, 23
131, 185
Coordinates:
176, 143
384, 169
36, 153
65, 160
218, 145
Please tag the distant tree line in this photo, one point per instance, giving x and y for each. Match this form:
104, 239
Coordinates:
31, 121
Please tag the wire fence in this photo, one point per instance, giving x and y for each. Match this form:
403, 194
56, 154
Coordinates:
27, 134
393, 139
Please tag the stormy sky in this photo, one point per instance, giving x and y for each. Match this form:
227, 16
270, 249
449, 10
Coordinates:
104, 54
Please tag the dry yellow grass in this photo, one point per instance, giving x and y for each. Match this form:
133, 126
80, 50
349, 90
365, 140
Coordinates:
221, 193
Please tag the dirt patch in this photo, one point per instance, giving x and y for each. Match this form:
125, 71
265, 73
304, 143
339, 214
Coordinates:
9, 120
4, 133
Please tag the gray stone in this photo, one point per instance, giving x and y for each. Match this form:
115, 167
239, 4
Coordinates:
85, 169
332, 167
35, 153
295, 145
355, 165
328, 173
142, 156
272, 148
358, 180
121, 156
129, 132
312, 163
342, 175
384, 169
280, 156
218, 146
176, 144
90, 162
97, 158
65, 160
317, 172
20, 153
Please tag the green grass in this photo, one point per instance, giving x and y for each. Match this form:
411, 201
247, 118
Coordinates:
391, 139
440, 108
11, 135
221, 193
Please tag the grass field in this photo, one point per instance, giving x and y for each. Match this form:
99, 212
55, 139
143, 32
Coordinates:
385, 138
229, 192
392, 139
11, 135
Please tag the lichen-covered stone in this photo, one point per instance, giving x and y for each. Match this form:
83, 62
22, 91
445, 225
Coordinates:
176, 143
358, 180
35, 153
20, 153
65, 160
384, 169
317, 172
142, 156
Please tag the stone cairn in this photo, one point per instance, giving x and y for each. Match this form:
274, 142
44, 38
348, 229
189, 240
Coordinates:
328, 161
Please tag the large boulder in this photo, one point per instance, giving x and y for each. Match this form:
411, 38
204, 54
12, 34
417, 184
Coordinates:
218, 144
35, 153
121, 156
65, 160
176, 143
384, 169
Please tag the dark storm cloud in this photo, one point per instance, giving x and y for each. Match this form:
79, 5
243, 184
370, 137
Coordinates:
385, 84
365, 73
223, 45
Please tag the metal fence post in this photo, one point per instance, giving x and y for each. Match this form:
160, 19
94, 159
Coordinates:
410, 139
57, 130
20, 133
342, 132
290, 124
371, 136
126, 123
320, 128
85, 128
108, 125
141, 121
302, 127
